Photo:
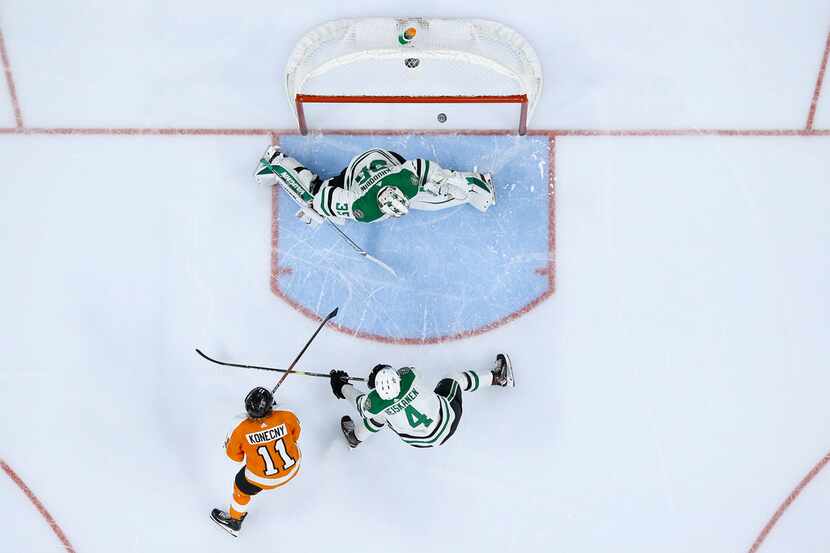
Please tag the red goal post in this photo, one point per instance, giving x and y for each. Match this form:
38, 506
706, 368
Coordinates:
457, 66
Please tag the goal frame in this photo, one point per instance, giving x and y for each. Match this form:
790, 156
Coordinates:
301, 99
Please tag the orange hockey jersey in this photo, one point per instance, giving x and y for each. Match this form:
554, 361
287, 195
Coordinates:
269, 448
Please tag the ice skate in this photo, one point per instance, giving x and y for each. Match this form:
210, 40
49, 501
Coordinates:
231, 525
503, 373
347, 426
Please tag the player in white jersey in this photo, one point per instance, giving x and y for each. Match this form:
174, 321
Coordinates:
399, 399
377, 184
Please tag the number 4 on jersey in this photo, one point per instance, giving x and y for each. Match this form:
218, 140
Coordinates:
416, 418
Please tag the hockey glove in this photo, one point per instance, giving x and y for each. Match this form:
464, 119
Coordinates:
391, 201
338, 379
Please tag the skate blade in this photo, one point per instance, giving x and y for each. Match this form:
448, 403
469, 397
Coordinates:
511, 378
225, 528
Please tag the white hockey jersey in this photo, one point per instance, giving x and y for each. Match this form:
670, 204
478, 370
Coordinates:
418, 415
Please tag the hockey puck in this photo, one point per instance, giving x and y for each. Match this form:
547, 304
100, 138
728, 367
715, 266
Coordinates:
412, 63
442, 117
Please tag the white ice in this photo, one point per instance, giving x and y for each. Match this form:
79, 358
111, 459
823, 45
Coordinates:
671, 393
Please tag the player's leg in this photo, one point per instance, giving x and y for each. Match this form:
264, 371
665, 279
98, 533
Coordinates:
451, 188
347, 426
450, 389
500, 375
359, 430
243, 491
427, 201
275, 168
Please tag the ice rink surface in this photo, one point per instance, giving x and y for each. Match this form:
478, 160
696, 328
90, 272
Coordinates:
672, 390
459, 271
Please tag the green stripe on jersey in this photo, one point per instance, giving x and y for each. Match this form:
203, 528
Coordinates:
453, 390
369, 428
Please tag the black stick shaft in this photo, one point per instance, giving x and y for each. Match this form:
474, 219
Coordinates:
261, 368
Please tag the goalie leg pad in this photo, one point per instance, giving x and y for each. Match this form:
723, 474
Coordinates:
473, 188
276, 168
482, 193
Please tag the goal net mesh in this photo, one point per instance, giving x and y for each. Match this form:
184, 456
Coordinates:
466, 59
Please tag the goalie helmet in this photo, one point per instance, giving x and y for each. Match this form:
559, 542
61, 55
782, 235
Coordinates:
387, 383
259, 403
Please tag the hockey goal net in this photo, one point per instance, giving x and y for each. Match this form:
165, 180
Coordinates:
416, 74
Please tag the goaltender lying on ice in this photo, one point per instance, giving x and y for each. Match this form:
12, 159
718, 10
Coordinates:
376, 185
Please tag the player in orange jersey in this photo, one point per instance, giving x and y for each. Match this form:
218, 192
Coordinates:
267, 442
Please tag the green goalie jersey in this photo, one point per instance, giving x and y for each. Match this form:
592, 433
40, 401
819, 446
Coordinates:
354, 194
418, 415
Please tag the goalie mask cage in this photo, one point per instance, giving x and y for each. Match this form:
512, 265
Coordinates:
417, 74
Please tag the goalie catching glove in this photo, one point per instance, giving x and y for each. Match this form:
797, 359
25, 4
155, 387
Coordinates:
392, 201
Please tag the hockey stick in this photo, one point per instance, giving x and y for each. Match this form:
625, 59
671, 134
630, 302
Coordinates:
303, 373
361, 251
329, 317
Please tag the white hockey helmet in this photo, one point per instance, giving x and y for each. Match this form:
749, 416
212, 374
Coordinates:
387, 383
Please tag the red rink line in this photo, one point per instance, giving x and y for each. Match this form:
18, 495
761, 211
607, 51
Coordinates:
789, 501
270, 132
38, 505
7, 68
819, 81
138, 131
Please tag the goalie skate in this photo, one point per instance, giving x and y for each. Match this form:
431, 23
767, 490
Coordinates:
503, 373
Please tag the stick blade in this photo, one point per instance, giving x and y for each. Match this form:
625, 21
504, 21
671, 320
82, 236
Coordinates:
333, 314
382, 265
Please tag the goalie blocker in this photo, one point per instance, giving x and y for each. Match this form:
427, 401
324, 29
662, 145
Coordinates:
376, 184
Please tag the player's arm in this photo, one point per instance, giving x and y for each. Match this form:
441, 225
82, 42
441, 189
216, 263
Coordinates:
332, 200
294, 426
233, 446
371, 422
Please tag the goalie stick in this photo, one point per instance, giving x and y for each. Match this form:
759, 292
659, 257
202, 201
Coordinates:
262, 368
363, 252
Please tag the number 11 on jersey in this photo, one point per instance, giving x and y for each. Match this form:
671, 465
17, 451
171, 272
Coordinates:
279, 449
